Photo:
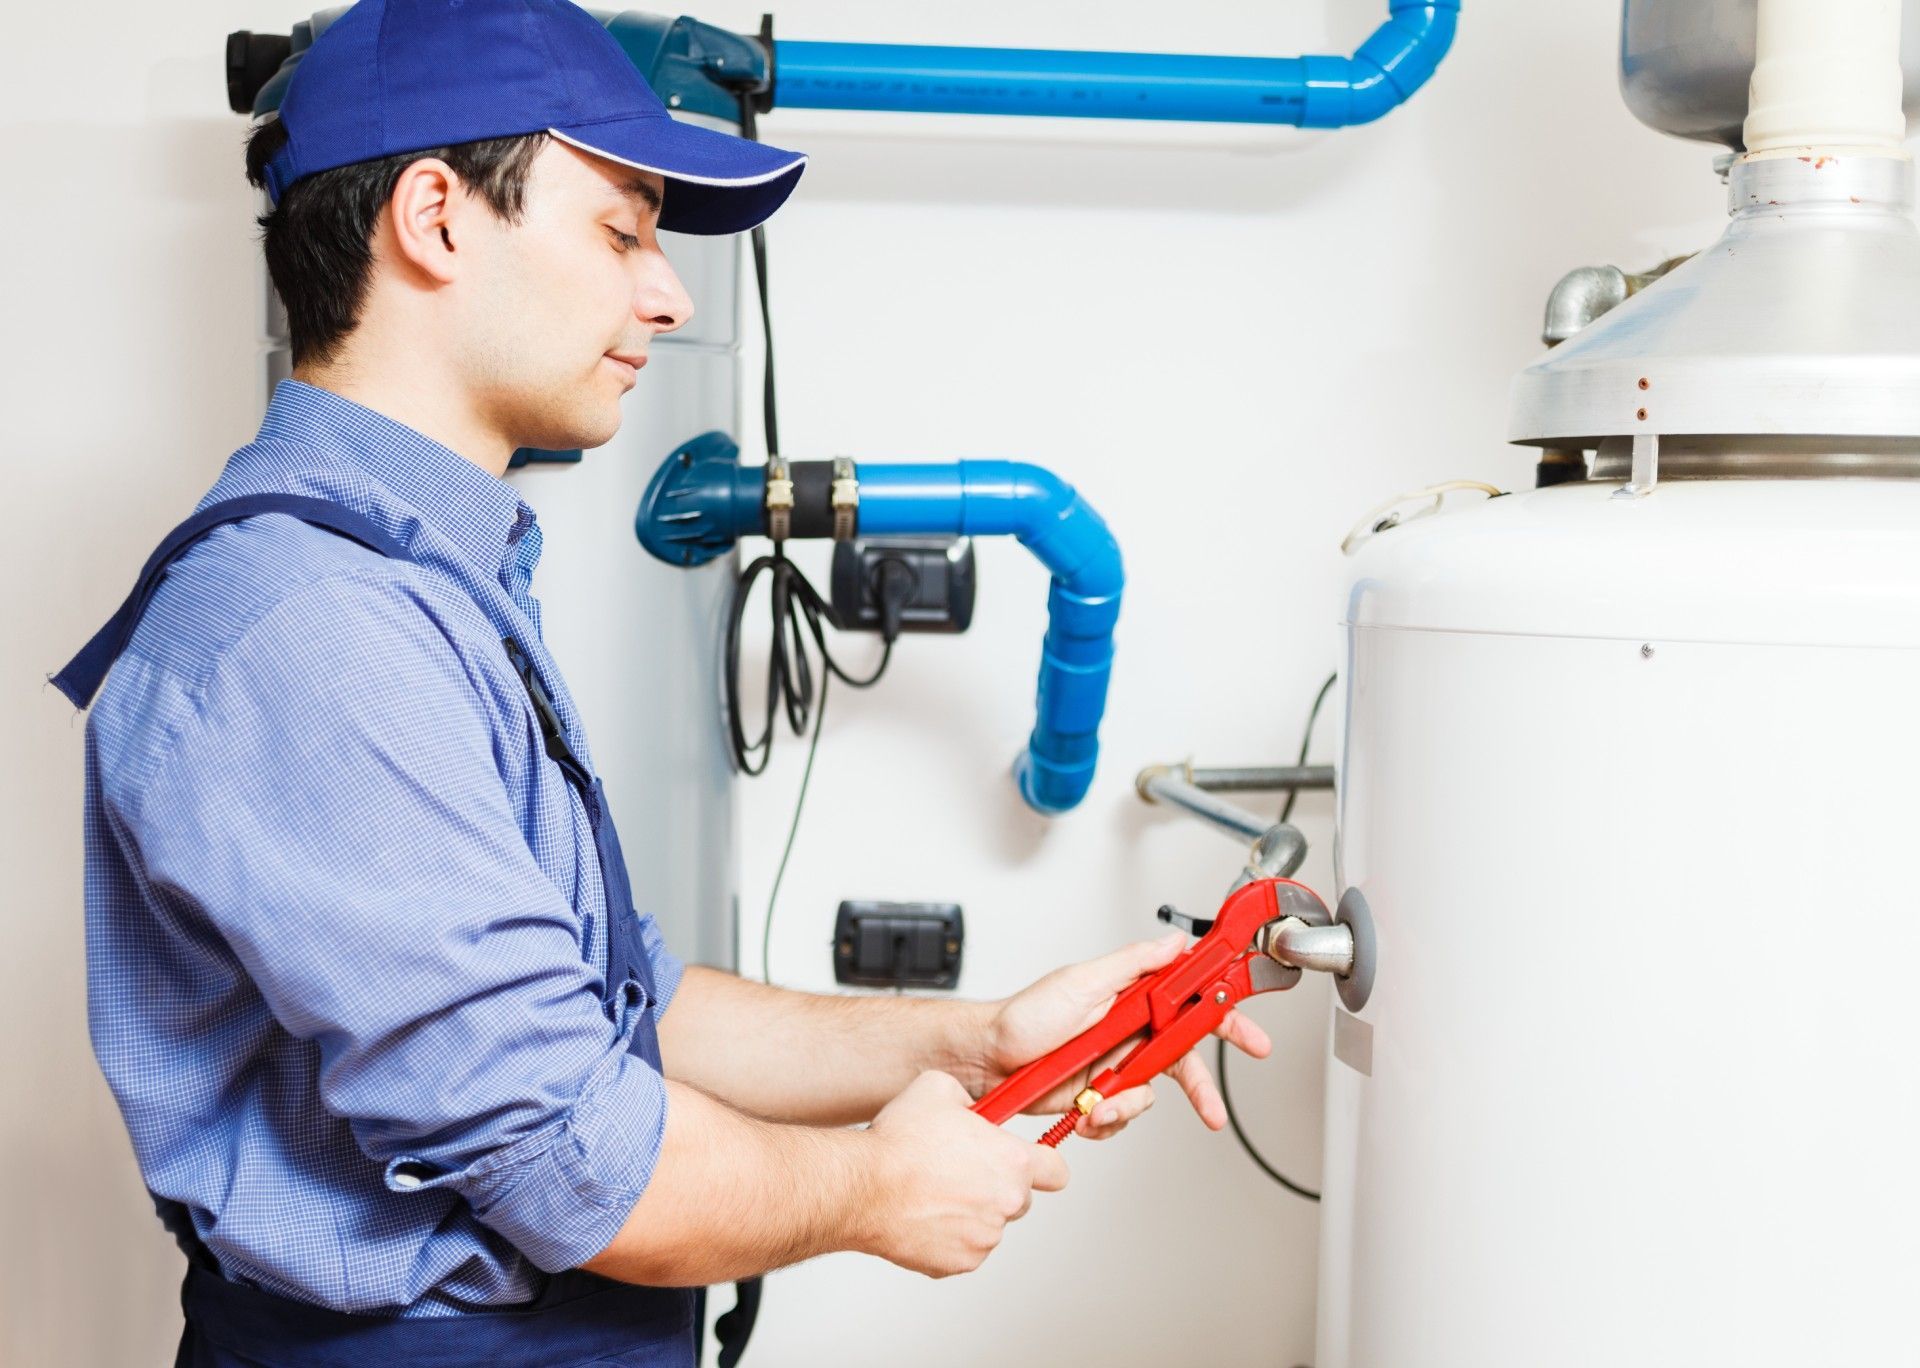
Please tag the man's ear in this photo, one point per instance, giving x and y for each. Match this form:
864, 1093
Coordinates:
422, 213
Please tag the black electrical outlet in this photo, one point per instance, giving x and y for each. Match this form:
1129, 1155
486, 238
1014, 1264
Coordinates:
940, 572
898, 945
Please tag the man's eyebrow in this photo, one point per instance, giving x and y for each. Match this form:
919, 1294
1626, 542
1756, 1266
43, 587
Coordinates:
643, 190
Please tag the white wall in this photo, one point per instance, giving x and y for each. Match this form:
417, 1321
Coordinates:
1235, 342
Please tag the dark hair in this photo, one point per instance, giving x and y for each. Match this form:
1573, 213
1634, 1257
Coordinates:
319, 237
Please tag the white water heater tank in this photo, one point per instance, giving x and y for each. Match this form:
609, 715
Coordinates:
1629, 788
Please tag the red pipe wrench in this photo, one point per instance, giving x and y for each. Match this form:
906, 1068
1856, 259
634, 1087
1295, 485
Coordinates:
1173, 1009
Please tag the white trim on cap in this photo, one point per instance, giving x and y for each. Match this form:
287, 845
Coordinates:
799, 160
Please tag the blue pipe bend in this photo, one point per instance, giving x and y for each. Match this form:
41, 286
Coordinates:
1062, 530
1393, 63
1310, 92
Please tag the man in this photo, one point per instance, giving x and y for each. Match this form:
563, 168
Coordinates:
407, 1074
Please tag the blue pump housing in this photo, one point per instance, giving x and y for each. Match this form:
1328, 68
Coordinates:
1309, 92
702, 500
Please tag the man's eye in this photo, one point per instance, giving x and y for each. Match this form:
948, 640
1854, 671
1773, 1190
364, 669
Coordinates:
623, 242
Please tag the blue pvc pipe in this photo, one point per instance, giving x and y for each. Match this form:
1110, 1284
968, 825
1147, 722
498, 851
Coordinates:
1310, 92
702, 500
1003, 498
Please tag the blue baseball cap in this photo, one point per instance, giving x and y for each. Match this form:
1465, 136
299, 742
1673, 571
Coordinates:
395, 76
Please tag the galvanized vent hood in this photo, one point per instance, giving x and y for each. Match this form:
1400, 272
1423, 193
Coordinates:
1797, 334
1804, 318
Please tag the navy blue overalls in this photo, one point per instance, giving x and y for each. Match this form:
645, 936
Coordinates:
579, 1318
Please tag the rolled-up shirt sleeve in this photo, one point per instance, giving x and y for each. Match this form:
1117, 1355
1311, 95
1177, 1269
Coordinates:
667, 967
335, 808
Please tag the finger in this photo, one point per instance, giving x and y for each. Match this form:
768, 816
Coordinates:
1244, 1034
1197, 1083
1113, 1113
1047, 1169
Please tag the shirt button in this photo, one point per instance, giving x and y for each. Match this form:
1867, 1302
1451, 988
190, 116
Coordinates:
409, 1176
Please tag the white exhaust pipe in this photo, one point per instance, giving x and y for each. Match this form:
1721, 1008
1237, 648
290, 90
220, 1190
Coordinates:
1826, 80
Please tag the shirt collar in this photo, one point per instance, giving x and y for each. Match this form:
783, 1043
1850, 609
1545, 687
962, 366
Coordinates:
480, 514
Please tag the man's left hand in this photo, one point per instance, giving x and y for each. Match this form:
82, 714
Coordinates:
1066, 1002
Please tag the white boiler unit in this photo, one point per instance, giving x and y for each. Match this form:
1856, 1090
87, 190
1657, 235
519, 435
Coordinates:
1629, 789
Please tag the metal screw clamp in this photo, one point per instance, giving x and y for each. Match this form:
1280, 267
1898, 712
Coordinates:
844, 497
779, 499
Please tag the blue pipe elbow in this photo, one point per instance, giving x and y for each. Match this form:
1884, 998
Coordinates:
1311, 92
1065, 534
1385, 72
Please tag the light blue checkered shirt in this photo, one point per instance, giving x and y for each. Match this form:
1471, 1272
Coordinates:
344, 917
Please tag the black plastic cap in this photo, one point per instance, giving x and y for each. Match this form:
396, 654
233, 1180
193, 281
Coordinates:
252, 58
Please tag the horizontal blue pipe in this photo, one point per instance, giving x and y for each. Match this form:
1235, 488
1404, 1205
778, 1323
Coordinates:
1310, 92
1061, 529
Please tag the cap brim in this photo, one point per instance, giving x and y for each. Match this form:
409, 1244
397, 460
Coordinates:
716, 183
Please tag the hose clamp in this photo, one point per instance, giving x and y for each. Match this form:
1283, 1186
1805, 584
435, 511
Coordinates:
779, 499
844, 498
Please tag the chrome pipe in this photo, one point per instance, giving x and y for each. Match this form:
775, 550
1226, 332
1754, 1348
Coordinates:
1159, 784
1259, 778
1280, 850
1290, 941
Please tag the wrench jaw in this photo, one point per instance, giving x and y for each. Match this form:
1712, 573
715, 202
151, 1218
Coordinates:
1270, 976
1297, 900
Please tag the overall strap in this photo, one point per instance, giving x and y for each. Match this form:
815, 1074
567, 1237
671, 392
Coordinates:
83, 675
553, 734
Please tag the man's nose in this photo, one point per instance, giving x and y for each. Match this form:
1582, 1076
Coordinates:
662, 301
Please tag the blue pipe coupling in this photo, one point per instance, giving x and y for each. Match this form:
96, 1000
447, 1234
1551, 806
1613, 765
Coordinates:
1309, 92
701, 501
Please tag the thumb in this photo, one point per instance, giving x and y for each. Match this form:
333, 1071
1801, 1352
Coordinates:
1046, 1168
1116, 969
934, 1086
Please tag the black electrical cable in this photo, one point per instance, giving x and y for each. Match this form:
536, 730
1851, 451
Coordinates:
1220, 1047
798, 612
1306, 740
795, 602
1246, 1144
750, 130
793, 829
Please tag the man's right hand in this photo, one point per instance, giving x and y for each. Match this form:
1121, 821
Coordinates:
929, 1186
947, 1181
